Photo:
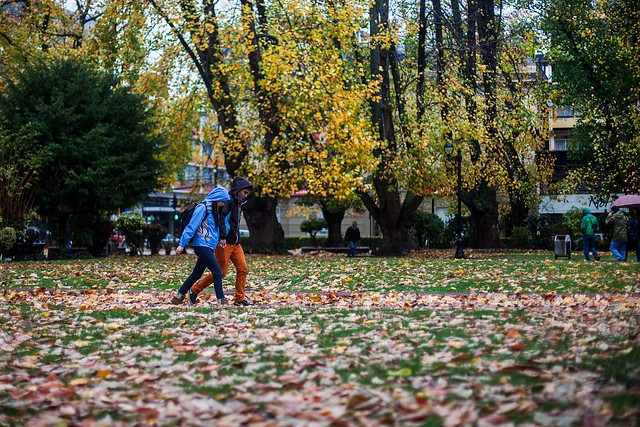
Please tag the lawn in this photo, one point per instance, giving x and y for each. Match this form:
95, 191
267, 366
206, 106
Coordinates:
331, 341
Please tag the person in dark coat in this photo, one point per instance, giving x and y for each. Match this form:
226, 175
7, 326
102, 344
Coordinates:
352, 236
633, 233
617, 223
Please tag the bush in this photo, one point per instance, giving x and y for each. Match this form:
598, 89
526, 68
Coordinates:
132, 226
312, 226
426, 226
572, 219
520, 238
7, 239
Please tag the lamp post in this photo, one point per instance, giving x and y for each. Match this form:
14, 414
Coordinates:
448, 148
174, 204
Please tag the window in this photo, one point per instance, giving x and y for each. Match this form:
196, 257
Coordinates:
560, 144
568, 112
561, 139
191, 173
208, 174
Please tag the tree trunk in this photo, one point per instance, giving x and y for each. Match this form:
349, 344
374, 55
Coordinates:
260, 215
483, 205
519, 210
334, 225
387, 207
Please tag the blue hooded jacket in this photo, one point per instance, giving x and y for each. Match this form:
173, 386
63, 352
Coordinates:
205, 233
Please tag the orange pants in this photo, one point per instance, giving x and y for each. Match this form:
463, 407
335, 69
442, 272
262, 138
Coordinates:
235, 254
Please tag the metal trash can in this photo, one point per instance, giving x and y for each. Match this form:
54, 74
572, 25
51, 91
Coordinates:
562, 245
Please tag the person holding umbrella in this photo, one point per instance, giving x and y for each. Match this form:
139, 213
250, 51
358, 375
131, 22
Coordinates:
633, 233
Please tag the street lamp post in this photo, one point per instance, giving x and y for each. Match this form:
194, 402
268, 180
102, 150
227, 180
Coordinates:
174, 203
448, 148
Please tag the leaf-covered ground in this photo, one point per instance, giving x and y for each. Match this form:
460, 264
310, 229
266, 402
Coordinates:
330, 341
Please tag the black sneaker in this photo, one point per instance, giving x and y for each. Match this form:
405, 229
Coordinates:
597, 258
242, 303
193, 297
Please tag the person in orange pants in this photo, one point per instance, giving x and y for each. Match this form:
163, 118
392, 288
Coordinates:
230, 249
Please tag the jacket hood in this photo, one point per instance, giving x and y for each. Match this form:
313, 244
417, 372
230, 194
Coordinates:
218, 194
238, 184
586, 211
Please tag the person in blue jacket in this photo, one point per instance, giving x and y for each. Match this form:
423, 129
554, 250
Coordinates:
206, 229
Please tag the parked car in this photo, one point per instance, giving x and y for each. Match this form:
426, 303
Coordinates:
244, 232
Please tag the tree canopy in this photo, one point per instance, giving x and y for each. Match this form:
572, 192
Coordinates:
97, 152
594, 48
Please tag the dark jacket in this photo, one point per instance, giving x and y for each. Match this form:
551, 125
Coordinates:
352, 234
618, 223
232, 210
633, 226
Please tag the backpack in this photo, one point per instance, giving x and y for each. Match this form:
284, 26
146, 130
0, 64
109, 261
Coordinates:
590, 225
185, 217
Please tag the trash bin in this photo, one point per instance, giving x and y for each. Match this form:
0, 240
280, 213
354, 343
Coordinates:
562, 245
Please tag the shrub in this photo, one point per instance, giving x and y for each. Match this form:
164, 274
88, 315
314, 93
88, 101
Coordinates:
132, 226
571, 220
7, 239
312, 226
521, 238
426, 226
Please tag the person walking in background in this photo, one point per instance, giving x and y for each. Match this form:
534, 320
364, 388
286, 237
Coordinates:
230, 249
205, 227
633, 233
617, 223
352, 236
589, 226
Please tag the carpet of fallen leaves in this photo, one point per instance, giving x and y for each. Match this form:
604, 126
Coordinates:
119, 355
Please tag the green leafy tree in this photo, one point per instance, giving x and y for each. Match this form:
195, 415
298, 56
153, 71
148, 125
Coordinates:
94, 141
594, 50
312, 226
